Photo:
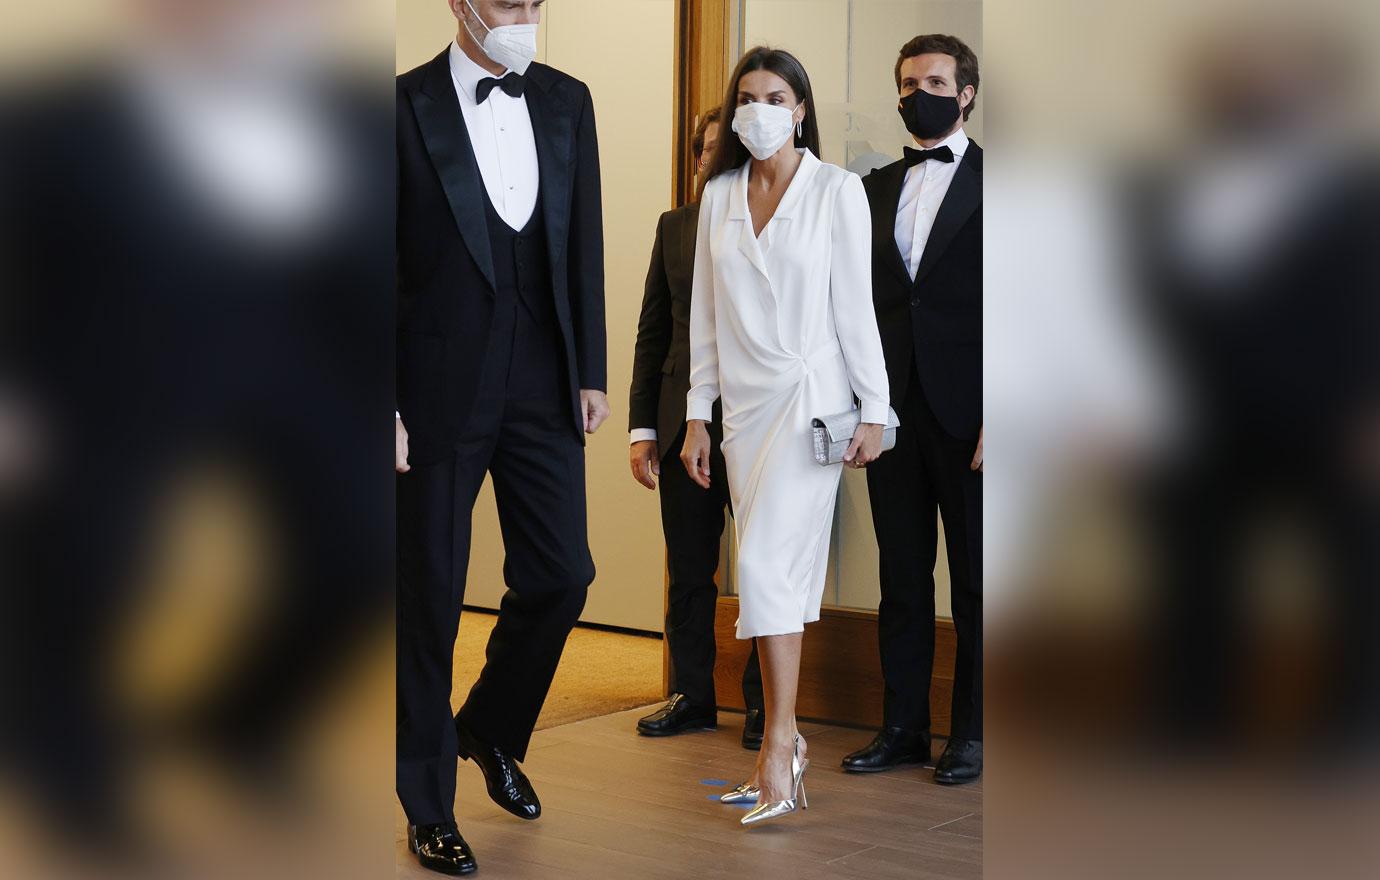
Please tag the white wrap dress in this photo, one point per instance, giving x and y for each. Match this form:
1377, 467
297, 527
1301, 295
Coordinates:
782, 329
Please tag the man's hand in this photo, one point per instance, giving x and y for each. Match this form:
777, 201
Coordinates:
646, 462
400, 447
866, 446
977, 456
694, 453
595, 406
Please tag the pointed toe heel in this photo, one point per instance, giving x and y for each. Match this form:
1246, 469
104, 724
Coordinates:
743, 793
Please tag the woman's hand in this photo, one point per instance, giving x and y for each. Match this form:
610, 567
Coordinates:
694, 453
866, 446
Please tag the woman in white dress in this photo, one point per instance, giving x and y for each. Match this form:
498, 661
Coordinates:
782, 329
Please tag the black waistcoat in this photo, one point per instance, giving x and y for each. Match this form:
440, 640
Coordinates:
522, 265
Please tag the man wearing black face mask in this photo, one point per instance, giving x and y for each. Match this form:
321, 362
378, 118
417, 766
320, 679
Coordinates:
927, 287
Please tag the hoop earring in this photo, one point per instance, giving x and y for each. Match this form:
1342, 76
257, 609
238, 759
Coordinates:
800, 129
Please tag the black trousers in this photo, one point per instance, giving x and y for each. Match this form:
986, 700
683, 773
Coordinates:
520, 434
928, 473
693, 521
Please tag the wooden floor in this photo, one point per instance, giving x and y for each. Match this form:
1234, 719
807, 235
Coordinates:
618, 805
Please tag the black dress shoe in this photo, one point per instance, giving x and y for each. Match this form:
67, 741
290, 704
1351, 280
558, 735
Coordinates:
678, 716
441, 848
754, 725
891, 747
961, 762
508, 785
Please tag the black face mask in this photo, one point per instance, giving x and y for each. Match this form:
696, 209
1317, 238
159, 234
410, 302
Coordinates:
928, 116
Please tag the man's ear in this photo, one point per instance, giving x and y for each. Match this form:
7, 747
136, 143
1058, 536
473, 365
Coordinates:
966, 96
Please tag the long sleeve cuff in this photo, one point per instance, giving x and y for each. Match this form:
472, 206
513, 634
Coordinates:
875, 412
702, 410
640, 435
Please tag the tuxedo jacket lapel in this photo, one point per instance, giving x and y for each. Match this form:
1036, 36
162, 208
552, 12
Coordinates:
884, 220
448, 143
962, 199
553, 125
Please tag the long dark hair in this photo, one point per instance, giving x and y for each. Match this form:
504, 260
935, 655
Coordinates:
730, 152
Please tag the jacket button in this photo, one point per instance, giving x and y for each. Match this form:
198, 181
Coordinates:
915, 301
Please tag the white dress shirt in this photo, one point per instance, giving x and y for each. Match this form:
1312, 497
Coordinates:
504, 145
921, 195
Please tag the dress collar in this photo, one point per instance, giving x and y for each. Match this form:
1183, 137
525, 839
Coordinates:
466, 73
958, 142
790, 201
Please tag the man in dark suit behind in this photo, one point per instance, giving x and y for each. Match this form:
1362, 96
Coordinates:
927, 286
692, 518
501, 370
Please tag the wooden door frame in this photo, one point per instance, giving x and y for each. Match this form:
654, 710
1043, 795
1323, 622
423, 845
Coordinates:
706, 47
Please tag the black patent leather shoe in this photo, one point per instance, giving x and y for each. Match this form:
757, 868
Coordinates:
891, 747
508, 786
961, 762
754, 725
678, 716
441, 848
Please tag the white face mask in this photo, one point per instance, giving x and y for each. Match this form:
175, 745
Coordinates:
763, 128
512, 45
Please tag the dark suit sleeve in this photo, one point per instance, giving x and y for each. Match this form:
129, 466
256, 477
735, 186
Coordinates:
654, 330
397, 268
586, 257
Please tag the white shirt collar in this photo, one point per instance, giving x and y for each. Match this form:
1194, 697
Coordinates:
466, 72
958, 142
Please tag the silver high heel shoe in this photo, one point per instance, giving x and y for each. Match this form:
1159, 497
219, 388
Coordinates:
742, 793
762, 812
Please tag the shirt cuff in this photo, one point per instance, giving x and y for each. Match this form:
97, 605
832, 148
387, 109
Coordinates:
699, 410
875, 412
640, 435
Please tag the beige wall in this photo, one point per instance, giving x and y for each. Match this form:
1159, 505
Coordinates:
625, 52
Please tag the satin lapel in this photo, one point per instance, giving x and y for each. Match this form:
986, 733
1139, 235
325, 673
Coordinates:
554, 129
962, 199
884, 220
448, 142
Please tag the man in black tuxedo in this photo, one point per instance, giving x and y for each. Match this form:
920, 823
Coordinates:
692, 518
501, 370
927, 285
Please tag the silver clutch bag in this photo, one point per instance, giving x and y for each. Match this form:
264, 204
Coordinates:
833, 434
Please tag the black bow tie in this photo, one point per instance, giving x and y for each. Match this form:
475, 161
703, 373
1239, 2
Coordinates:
939, 154
512, 83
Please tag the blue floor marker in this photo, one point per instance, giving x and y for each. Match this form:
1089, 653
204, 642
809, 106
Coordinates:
715, 782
